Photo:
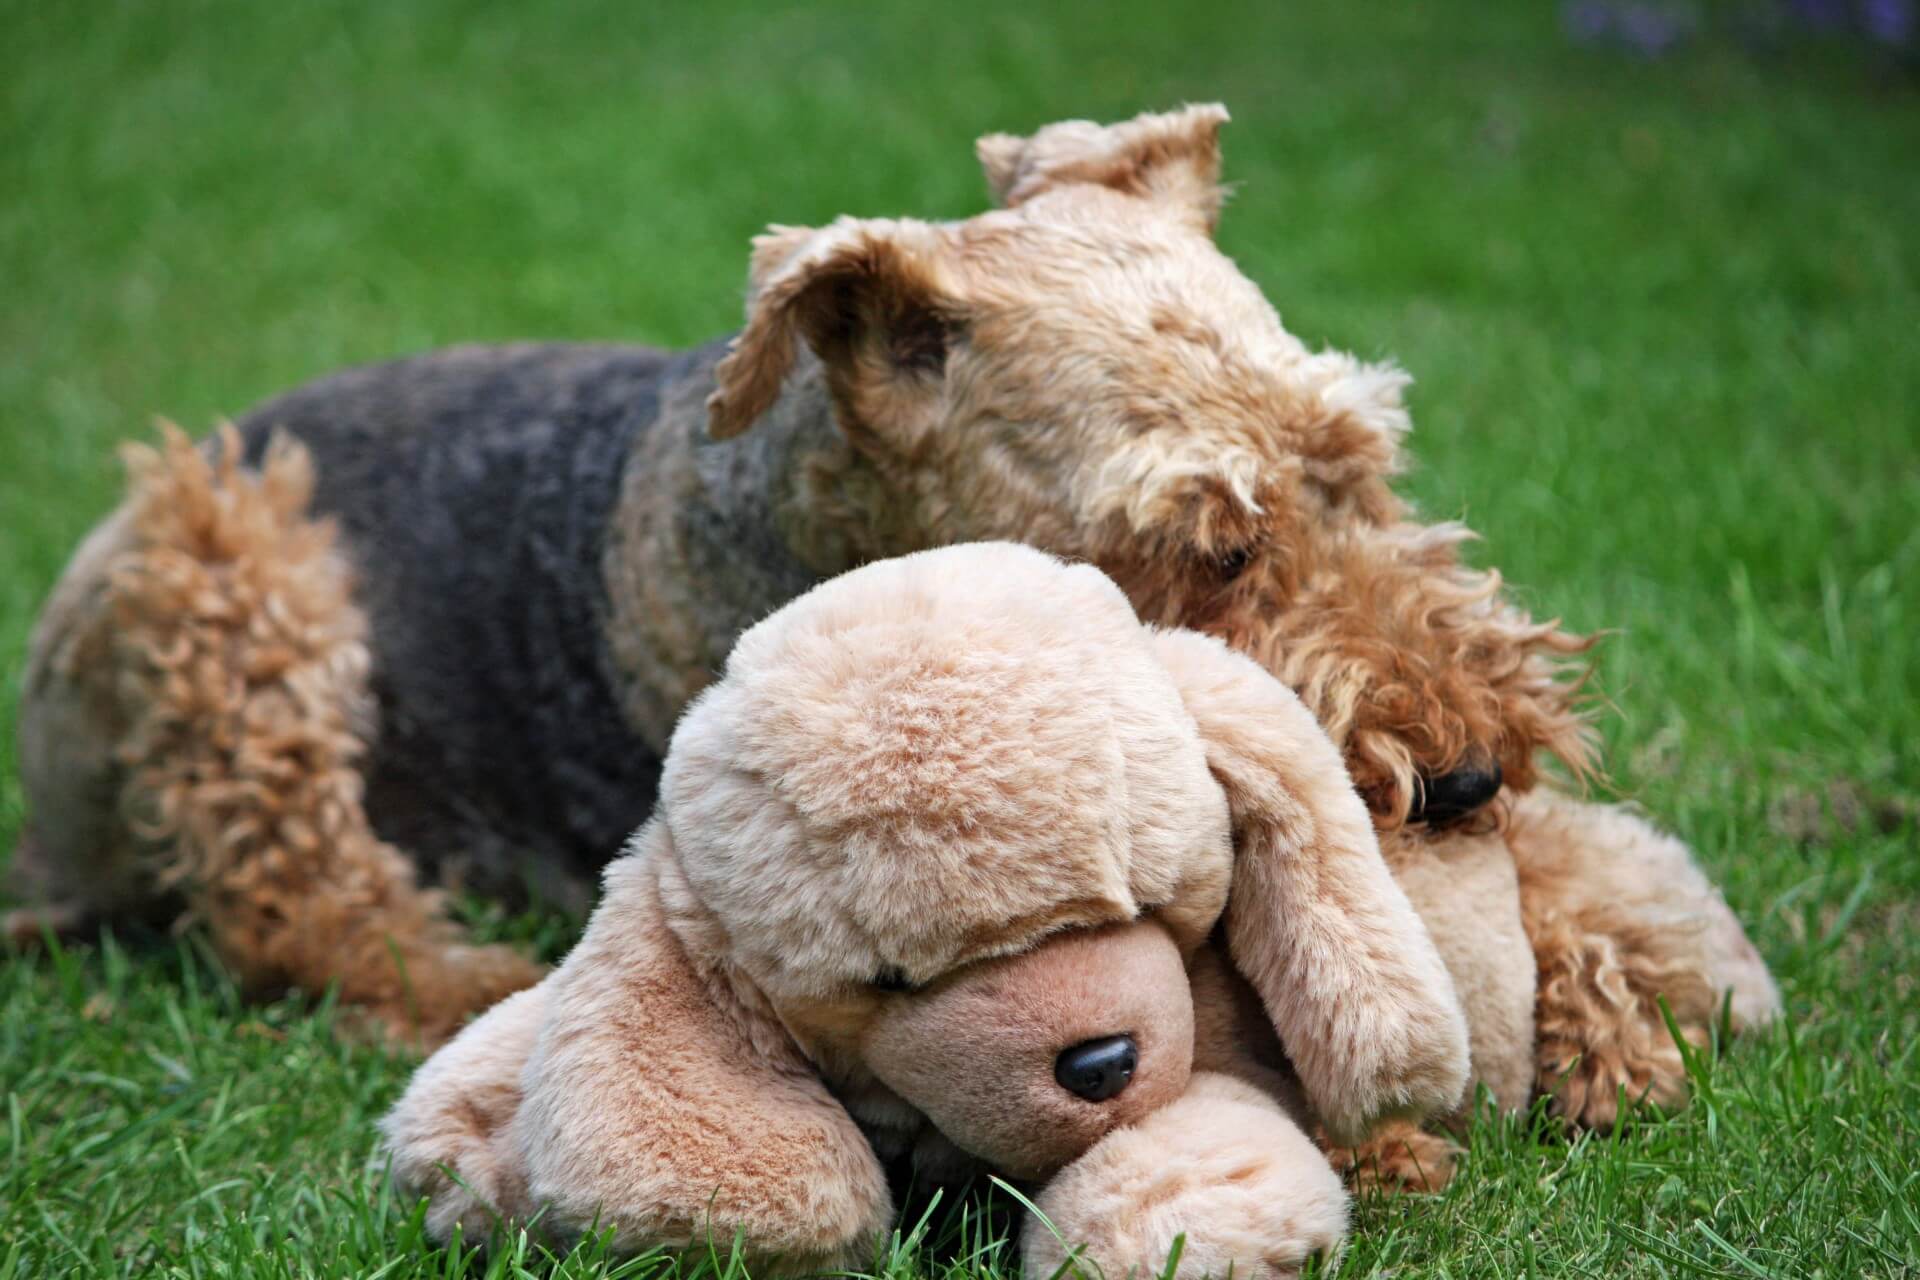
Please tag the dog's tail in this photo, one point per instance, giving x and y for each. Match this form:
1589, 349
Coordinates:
243, 665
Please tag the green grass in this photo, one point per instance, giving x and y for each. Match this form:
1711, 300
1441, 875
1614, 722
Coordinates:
1664, 320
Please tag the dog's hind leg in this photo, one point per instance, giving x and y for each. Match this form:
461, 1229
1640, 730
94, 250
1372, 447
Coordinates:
1620, 917
198, 726
76, 863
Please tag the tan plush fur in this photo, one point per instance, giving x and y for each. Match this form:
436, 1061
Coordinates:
455, 1118
931, 699
1467, 894
1223, 1156
1233, 1035
971, 769
977, 1055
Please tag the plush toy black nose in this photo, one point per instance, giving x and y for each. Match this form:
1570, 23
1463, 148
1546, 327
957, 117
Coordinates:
1097, 1069
1452, 796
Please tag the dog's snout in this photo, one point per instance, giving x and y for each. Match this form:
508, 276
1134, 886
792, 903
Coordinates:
1097, 1069
1452, 796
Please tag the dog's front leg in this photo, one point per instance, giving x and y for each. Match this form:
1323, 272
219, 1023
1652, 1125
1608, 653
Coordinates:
1619, 917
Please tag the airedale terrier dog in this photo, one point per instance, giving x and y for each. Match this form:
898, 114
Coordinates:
433, 621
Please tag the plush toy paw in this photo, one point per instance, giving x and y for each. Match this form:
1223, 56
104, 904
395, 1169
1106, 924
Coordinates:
1223, 1166
448, 1137
1397, 1156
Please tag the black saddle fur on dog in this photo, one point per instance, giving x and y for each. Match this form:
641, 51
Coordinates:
474, 489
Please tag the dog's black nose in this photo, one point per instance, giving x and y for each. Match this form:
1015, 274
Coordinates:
1452, 796
1097, 1069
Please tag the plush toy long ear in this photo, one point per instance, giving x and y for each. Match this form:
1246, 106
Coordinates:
1171, 156
632, 1091
857, 291
1314, 919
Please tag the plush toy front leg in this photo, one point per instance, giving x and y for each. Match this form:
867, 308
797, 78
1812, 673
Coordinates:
1223, 1165
637, 1091
1619, 916
1463, 887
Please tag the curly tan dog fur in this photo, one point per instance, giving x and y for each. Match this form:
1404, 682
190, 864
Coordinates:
241, 678
555, 547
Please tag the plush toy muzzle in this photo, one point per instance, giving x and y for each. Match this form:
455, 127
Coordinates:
1026, 1061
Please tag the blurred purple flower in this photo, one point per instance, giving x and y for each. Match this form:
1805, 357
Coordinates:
1653, 28
1648, 29
1588, 21
1888, 21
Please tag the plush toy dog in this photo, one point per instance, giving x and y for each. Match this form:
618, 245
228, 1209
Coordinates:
939, 870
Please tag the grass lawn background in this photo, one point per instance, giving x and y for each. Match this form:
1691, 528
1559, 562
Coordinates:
1663, 315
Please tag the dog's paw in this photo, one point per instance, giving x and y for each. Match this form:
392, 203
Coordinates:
1591, 1080
26, 928
1625, 929
1223, 1167
442, 989
1397, 1156
1603, 1043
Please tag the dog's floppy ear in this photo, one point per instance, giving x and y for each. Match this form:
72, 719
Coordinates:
1314, 920
1172, 156
860, 290
634, 1090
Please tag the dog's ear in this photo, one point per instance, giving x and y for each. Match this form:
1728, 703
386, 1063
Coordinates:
861, 292
636, 1090
1314, 919
1172, 156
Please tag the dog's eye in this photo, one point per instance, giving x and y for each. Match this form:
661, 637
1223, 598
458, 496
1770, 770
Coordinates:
1232, 563
892, 979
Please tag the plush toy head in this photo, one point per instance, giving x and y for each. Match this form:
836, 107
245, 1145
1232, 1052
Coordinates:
928, 864
907, 780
